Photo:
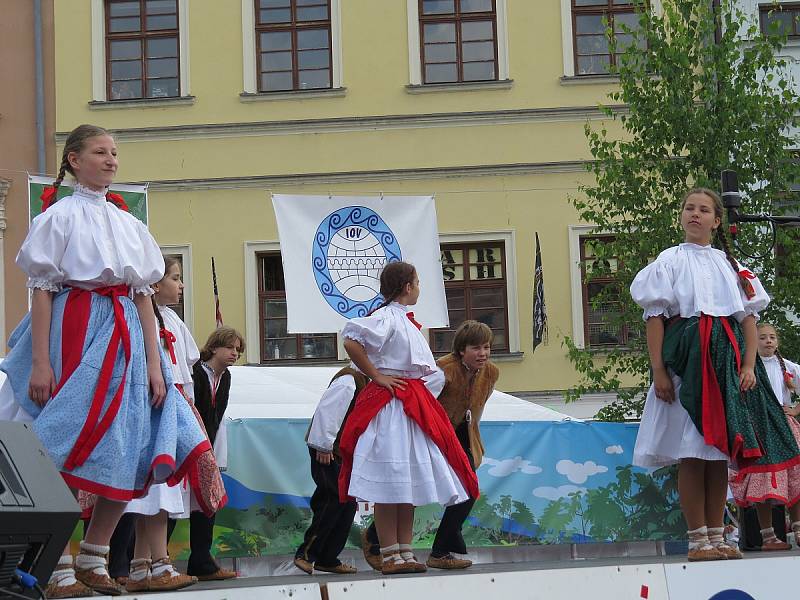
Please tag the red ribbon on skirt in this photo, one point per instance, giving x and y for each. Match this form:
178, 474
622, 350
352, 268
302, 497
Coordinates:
73, 335
422, 408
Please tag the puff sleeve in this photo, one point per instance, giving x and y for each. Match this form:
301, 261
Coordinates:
371, 332
150, 265
756, 304
330, 413
653, 290
42, 251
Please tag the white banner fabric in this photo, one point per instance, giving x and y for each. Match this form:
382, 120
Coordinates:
334, 247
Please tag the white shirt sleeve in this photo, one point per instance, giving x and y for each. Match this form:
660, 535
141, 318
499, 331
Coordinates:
221, 445
756, 304
653, 290
151, 264
435, 382
42, 251
330, 413
371, 332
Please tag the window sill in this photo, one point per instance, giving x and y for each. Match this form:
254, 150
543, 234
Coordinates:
467, 86
292, 362
589, 79
141, 103
507, 356
292, 95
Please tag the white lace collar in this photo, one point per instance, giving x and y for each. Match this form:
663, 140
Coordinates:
89, 193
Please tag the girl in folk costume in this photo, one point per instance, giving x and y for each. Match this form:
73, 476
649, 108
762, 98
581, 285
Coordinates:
762, 489
150, 569
710, 400
398, 447
85, 365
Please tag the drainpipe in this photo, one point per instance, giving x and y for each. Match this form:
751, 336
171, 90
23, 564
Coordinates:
41, 162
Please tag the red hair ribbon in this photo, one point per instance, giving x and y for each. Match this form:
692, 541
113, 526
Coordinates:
410, 316
48, 197
117, 201
169, 339
745, 275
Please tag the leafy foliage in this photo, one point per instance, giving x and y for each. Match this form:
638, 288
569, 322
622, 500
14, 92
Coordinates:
708, 92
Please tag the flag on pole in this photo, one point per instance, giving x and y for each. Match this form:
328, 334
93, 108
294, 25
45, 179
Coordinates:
539, 309
216, 294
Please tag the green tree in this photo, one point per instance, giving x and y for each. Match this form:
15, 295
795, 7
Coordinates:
702, 90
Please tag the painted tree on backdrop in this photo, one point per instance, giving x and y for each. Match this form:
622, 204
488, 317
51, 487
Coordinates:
705, 91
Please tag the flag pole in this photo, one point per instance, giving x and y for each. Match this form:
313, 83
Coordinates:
218, 314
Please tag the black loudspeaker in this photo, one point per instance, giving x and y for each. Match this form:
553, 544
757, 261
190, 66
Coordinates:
38, 512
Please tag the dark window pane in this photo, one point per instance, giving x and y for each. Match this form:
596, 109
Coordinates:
162, 22
311, 39
593, 64
276, 40
440, 73
318, 346
629, 20
126, 24
487, 297
312, 13
276, 16
779, 22
161, 7
455, 298
476, 51
589, 24
591, 3
276, 328
499, 340
477, 30
438, 7
162, 67
311, 3
285, 348
592, 44
275, 308
435, 53
468, 6
314, 79
439, 32
162, 47
494, 318
124, 9
126, 49
126, 69
443, 340
276, 61
313, 59
162, 88
126, 90
274, 82
275, 3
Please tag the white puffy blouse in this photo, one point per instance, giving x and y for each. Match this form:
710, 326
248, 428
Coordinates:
186, 351
775, 373
85, 241
393, 343
688, 279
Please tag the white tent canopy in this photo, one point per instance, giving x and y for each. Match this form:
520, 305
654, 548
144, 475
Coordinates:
293, 393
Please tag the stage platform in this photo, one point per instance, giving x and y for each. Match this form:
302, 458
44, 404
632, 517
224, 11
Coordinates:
650, 578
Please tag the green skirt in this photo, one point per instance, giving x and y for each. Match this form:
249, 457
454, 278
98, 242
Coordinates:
750, 427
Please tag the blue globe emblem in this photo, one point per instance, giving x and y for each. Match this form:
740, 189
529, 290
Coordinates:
351, 247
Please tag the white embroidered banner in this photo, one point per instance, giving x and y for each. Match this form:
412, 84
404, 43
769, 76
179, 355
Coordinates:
333, 250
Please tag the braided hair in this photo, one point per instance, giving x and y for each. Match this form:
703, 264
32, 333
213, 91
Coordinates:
394, 278
169, 262
721, 238
74, 144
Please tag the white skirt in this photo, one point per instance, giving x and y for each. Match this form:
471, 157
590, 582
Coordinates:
396, 463
667, 433
159, 497
10, 409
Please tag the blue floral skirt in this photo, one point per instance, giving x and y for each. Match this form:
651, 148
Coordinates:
130, 444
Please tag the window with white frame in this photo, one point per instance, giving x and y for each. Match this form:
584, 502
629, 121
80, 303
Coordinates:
139, 49
457, 41
184, 308
291, 45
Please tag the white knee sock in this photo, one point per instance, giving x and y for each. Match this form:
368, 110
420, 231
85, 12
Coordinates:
391, 553
64, 574
405, 552
698, 539
91, 562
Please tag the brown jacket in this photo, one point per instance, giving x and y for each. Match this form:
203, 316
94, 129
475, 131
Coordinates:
460, 394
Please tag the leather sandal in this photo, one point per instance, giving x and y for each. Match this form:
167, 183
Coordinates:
99, 582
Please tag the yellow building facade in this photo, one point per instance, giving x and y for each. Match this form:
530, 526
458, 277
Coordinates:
482, 103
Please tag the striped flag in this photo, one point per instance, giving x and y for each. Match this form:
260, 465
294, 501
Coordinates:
216, 294
539, 308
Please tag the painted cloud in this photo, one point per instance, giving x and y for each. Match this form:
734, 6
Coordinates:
507, 466
579, 472
614, 449
554, 493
